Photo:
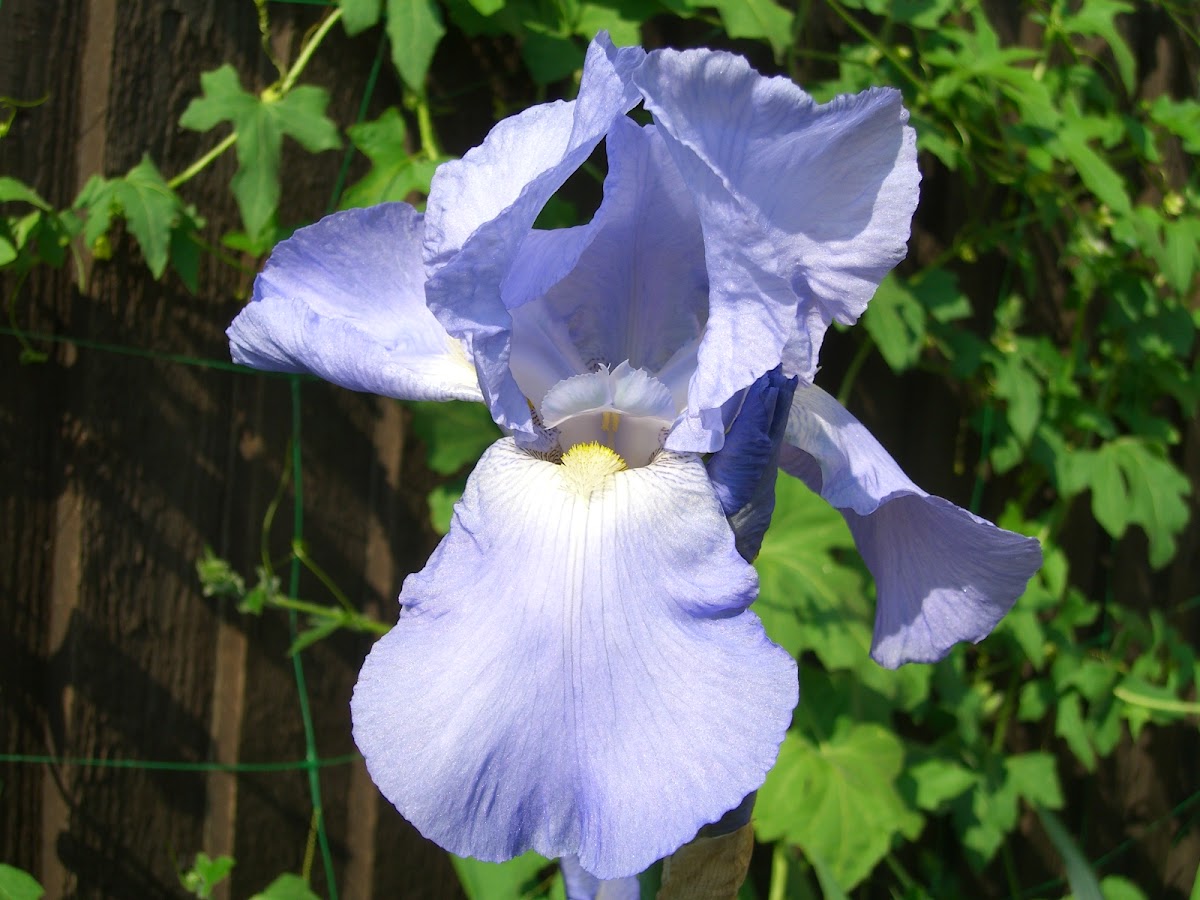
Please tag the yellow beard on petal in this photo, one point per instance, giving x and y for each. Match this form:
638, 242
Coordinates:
585, 467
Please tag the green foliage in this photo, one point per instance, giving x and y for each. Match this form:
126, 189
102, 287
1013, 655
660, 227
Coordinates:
164, 226
808, 600
205, 874
454, 433
1131, 484
394, 174
287, 887
757, 19
528, 877
415, 28
836, 798
16, 884
1080, 876
260, 123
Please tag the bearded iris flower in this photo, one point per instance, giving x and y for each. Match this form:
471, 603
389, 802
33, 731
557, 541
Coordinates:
576, 670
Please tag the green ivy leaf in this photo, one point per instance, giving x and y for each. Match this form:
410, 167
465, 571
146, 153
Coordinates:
151, 210
986, 815
935, 782
97, 204
287, 887
1096, 17
1070, 726
487, 7
415, 28
394, 173
623, 20
16, 884
485, 881
217, 576
454, 433
1178, 256
808, 598
260, 123
550, 57
12, 189
206, 873
920, 13
1132, 484
1114, 887
1181, 118
837, 798
757, 19
895, 320
1016, 383
1071, 144
358, 15
221, 100
441, 502
1080, 875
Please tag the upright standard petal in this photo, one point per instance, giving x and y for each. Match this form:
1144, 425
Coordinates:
630, 286
942, 574
805, 207
483, 206
575, 671
345, 299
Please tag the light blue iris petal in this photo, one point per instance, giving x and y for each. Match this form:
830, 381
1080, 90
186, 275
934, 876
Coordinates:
483, 206
577, 677
344, 299
581, 885
942, 574
805, 207
636, 287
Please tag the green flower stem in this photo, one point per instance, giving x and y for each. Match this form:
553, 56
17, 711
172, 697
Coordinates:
1181, 707
298, 548
355, 621
203, 162
779, 872
860, 357
902, 875
308, 50
429, 141
1011, 695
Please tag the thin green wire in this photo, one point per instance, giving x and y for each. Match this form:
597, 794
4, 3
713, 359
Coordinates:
310, 737
180, 358
311, 754
159, 765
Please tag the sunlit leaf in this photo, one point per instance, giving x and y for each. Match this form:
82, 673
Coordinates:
1080, 876
454, 433
16, 884
415, 28
287, 887
762, 19
837, 799
809, 598
358, 15
1132, 485
491, 881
